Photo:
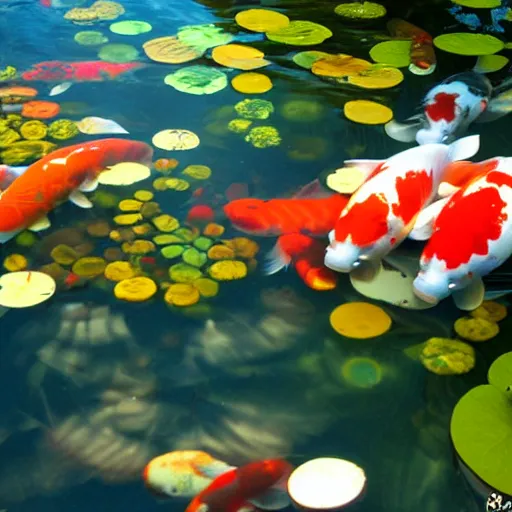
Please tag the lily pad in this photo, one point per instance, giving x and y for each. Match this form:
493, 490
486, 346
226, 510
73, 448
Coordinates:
202, 37
481, 427
90, 38
197, 80
360, 10
478, 4
392, 53
170, 50
239, 56
130, 27
378, 76
308, 58
118, 53
360, 320
465, 43
300, 33
175, 139
339, 66
367, 112
194, 257
262, 20
490, 63
25, 289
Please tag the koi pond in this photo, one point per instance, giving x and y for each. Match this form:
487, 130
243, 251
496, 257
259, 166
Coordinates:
240, 242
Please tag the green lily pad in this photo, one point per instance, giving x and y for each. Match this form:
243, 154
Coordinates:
203, 243
130, 27
490, 63
202, 37
478, 4
300, 33
360, 10
167, 239
465, 43
172, 251
118, 53
392, 53
197, 80
481, 427
186, 235
194, 257
90, 38
308, 58
183, 273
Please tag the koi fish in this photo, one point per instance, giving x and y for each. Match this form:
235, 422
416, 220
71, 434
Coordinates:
60, 175
307, 256
304, 214
89, 71
456, 257
383, 210
423, 57
262, 483
450, 107
183, 473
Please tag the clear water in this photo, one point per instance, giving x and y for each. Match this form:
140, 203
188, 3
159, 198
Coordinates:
263, 384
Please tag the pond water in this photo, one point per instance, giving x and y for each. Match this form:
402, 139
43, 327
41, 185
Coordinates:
94, 387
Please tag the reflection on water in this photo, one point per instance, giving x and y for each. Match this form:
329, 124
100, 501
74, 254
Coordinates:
92, 389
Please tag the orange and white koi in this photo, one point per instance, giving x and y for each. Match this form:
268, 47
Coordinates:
63, 174
471, 235
383, 210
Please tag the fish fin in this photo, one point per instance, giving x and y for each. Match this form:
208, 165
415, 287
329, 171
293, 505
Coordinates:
424, 224
89, 185
471, 296
272, 499
40, 225
275, 260
405, 131
446, 189
347, 179
496, 294
213, 469
465, 148
314, 189
77, 198
499, 106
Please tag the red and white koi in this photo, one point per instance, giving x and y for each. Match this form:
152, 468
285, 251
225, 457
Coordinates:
450, 107
383, 210
471, 236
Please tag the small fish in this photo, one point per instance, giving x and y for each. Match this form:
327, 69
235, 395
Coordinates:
182, 473
312, 211
200, 214
383, 210
97, 125
61, 175
17, 91
237, 191
261, 483
59, 89
307, 255
471, 236
450, 107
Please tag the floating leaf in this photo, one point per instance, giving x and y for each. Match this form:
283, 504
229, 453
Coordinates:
444, 356
478, 4
378, 76
15, 263
262, 20
177, 184
490, 63
90, 266
392, 53
124, 173
476, 329
98, 125
135, 289
130, 27
40, 109
466, 43
308, 58
361, 372
33, 130
183, 273
367, 112
182, 295
138, 247
174, 140
300, 33
339, 66
251, 83
194, 257
90, 38
203, 243
64, 254
263, 137
130, 205
228, 270
491, 311
254, 109
197, 80
170, 50
360, 10
360, 320
25, 289
239, 56
172, 251
119, 270
206, 287
202, 37
166, 223
118, 53
198, 172
63, 129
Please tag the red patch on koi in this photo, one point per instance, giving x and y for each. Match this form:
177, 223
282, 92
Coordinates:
365, 222
381, 167
499, 178
483, 216
443, 107
413, 191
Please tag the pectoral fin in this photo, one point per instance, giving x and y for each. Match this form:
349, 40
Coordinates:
499, 106
471, 297
273, 499
40, 225
424, 224
213, 469
406, 131
77, 198
89, 185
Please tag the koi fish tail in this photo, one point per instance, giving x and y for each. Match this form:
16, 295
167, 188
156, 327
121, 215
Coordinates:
465, 148
276, 260
316, 275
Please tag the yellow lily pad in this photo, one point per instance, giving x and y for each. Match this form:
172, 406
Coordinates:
182, 294
183, 273
198, 172
177, 184
300, 33
228, 270
15, 263
251, 83
239, 56
339, 66
130, 205
176, 140
119, 270
135, 289
476, 329
127, 219
307, 58
392, 53
206, 287
367, 112
466, 43
170, 50
143, 195
25, 289
166, 223
360, 320
90, 266
490, 310
262, 20
124, 173
377, 76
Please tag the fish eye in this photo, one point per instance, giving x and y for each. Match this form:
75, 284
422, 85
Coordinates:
451, 286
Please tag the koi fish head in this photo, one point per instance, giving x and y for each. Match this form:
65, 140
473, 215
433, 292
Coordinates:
248, 215
432, 286
342, 256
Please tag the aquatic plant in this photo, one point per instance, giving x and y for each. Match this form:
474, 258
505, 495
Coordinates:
130, 27
33, 130
90, 38
22, 152
135, 289
119, 270
465, 43
25, 289
360, 320
91, 266
63, 129
263, 137
367, 112
183, 273
300, 33
254, 109
197, 80
15, 262
198, 172
476, 329
170, 50
228, 270
174, 140
261, 20
64, 254
444, 356
182, 294
113, 52
239, 56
